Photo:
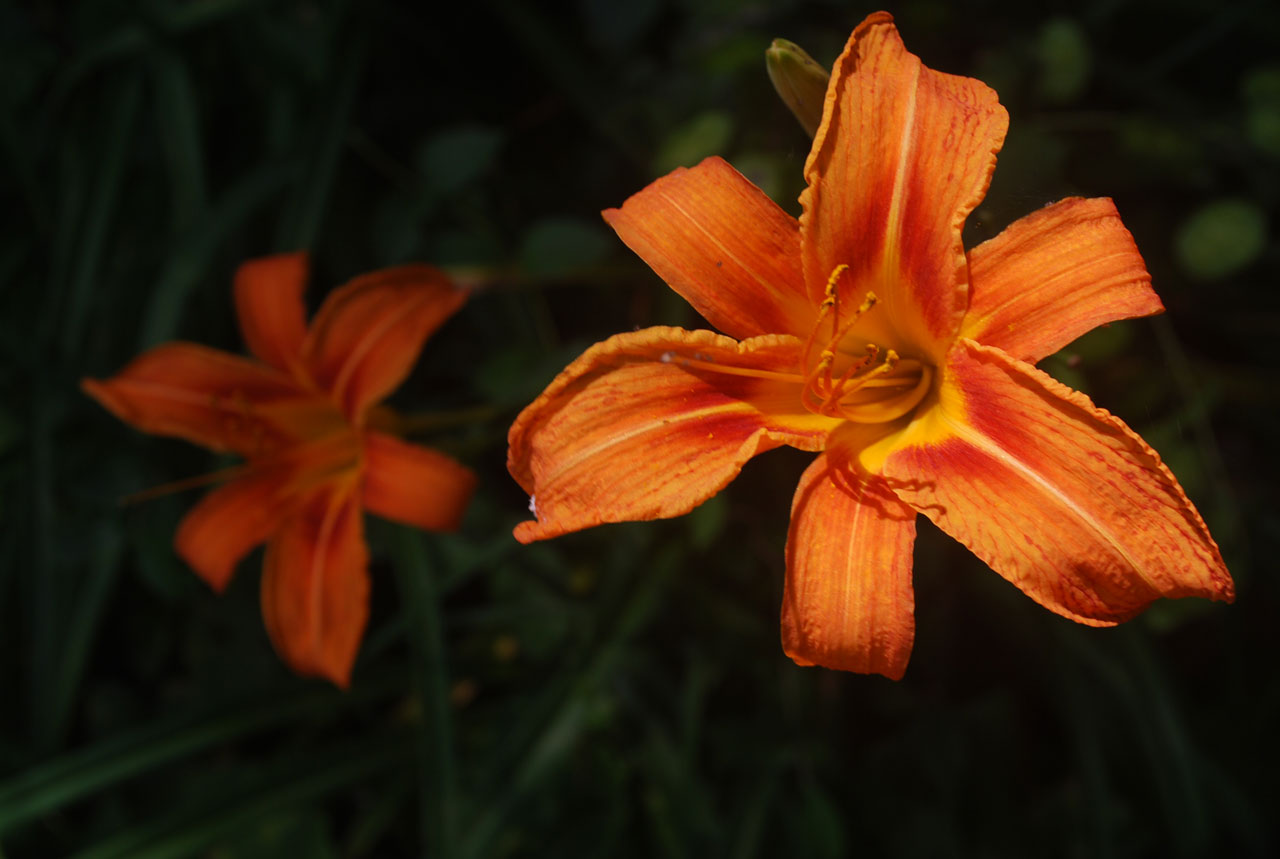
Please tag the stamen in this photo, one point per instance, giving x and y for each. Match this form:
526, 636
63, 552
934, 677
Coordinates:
184, 484
830, 295
892, 407
730, 370
849, 386
830, 304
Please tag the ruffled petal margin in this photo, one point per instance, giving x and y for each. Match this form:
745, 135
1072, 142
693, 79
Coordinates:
1055, 494
638, 428
903, 155
273, 318
720, 242
315, 584
848, 603
367, 335
414, 485
1054, 275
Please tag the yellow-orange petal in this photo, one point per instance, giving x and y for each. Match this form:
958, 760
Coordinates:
720, 242
229, 522
414, 485
367, 335
1054, 275
639, 428
273, 319
903, 155
315, 584
848, 602
1055, 494
206, 396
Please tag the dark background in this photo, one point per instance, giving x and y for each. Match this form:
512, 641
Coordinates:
619, 692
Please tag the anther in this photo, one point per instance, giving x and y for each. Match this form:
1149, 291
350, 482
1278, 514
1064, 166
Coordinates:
830, 291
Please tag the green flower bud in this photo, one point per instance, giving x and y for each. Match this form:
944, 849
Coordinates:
799, 80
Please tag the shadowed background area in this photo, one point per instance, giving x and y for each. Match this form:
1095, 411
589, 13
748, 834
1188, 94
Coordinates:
620, 691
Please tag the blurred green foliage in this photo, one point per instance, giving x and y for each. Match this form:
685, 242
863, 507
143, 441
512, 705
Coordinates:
621, 691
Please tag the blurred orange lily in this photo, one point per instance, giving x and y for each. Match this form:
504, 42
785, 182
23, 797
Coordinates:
317, 450
864, 331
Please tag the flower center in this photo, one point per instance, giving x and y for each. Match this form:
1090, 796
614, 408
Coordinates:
871, 386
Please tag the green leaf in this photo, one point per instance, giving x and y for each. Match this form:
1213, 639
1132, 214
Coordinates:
1261, 92
63, 780
192, 830
1065, 60
178, 125
434, 738
558, 246
455, 158
191, 258
1221, 238
302, 223
705, 135
102, 214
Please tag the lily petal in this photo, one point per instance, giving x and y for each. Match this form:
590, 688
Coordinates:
639, 428
367, 335
273, 319
414, 485
203, 395
848, 602
229, 522
720, 242
903, 155
1055, 494
315, 584
1054, 275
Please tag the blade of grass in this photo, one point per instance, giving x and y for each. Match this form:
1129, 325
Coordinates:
62, 780
122, 42
192, 257
434, 740
1083, 725
71, 194
560, 59
302, 224
190, 831
83, 627
41, 615
1161, 738
1224, 498
1188, 815
750, 836
102, 210
555, 736
18, 155
178, 126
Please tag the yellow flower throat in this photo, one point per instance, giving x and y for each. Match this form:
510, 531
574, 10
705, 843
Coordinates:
874, 385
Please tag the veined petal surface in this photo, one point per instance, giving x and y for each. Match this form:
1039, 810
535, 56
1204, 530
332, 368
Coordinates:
413, 484
848, 602
215, 399
903, 155
720, 242
230, 521
1054, 275
273, 319
634, 430
366, 336
315, 584
1055, 494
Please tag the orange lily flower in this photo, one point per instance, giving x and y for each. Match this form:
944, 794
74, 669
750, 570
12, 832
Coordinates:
316, 445
866, 333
